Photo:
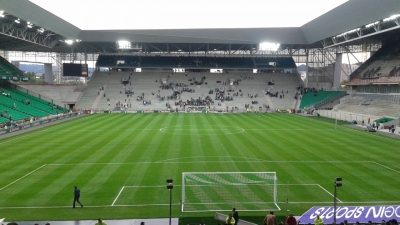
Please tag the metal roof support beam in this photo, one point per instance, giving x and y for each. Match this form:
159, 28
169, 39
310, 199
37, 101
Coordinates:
364, 36
348, 51
377, 27
332, 59
201, 46
239, 48
156, 47
397, 21
26, 35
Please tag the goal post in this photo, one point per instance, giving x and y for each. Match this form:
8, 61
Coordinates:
221, 191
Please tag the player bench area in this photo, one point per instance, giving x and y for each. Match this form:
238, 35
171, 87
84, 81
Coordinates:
222, 218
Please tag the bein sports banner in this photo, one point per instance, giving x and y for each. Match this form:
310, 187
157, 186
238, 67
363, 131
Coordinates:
352, 214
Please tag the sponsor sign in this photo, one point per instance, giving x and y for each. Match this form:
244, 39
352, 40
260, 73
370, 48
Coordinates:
352, 214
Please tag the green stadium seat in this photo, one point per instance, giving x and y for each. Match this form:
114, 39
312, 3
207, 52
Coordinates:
308, 99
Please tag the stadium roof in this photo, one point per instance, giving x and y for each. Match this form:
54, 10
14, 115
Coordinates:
183, 14
348, 16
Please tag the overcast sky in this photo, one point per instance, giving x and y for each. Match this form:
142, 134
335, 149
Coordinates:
184, 14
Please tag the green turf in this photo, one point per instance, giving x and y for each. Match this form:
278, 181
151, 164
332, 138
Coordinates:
103, 153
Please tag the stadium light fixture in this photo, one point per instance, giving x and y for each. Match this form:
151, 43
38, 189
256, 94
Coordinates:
123, 44
269, 46
2, 13
29, 24
69, 42
393, 17
17, 20
338, 183
371, 24
170, 187
41, 30
348, 32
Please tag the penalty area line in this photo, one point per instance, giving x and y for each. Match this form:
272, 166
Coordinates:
53, 207
15, 181
386, 167
118, 196
329, 193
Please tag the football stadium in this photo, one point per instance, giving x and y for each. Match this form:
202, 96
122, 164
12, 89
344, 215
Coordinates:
289, 114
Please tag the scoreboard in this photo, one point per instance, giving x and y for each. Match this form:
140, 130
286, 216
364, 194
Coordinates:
75, 70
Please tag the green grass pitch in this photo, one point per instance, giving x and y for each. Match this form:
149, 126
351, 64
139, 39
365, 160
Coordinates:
121, 161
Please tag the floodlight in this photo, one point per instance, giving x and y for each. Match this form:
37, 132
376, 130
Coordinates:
169, 182
1, 13
393, 17
371, 24
17, 20
269, 46
41, 30
123, 44
70, 42
78, 40
29, 24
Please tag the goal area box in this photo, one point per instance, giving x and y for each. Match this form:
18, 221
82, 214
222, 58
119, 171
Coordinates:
221, 191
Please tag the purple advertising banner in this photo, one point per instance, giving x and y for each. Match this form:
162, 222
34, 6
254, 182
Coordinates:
352, 214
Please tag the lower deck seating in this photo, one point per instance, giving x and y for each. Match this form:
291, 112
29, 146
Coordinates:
37, 103
106, 90
371, 104
311, 97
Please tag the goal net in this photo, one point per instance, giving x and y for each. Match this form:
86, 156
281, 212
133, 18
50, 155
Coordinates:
221, 191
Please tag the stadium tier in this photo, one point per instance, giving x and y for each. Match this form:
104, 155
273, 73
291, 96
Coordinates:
371, 104
9, 72
28, 105
11, 114
162, 90
312, 98
116, 61
382, 68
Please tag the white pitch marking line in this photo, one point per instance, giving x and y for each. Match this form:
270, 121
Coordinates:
329, 193
387, 167
227, 161
149, 186
139, 205
50, 207
382, 202
156, 186
22, 177
118, 196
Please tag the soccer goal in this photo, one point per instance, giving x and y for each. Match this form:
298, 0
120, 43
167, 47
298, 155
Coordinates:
221, 191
